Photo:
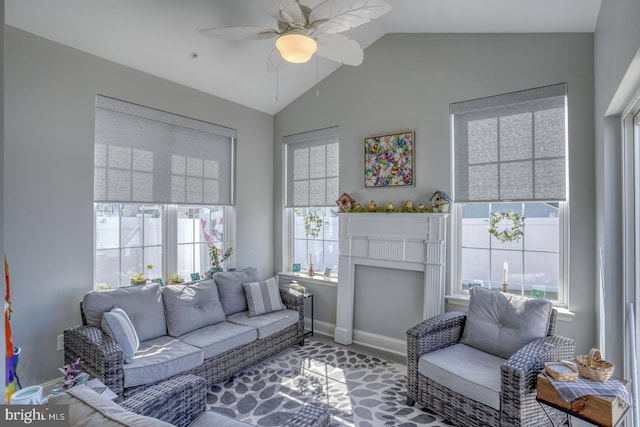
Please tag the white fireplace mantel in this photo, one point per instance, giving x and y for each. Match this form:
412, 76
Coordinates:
405, 241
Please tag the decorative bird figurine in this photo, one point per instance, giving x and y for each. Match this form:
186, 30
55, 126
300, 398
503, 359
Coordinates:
372, 206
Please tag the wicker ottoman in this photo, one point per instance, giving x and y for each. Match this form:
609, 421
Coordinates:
310, 416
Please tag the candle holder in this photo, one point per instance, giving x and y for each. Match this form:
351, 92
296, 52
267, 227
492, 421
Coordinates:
505, 287
311, 272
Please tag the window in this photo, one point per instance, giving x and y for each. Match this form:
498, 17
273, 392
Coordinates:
510, 156
311, 167
163, 185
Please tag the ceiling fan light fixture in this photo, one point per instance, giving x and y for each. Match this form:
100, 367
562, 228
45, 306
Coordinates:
296, 48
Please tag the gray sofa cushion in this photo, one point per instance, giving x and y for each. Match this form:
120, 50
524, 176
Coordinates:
221, 337
88, 408
190, 307
143, 305
230, 289
501, 324
118, 326
161, 358
266, 324
263, 297
468, 371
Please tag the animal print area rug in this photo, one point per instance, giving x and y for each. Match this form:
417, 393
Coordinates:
358, 390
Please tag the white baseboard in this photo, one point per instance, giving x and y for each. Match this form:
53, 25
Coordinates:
380, 342
368, 339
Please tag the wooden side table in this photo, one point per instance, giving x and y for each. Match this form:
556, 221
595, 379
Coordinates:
603, 411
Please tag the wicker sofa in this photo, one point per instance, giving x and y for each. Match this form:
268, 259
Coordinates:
181, 331
459, 366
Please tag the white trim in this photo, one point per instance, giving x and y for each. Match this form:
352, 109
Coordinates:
303, 278
461, 302
380, 342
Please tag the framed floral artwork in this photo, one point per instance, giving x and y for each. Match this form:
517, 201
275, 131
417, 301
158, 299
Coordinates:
388, 160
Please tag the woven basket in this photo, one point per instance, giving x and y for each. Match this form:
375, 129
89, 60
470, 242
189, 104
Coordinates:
594, 367
561, 371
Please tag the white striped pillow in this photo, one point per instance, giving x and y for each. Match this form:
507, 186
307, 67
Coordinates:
263, 297
118, 326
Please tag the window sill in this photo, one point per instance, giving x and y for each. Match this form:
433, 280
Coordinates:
303, 278
462, 301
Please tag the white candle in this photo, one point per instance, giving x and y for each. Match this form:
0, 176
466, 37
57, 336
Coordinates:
505, 270
310, 258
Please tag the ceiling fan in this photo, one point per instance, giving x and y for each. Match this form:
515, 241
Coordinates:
302, 31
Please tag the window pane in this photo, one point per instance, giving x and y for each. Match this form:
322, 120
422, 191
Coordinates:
185, 225
301, 253
185, 261
107, 226
216, 225
153, 256
331, 256
153, 226
542, 271
131, 259
108, 267
475, 266
131, 226
474, 233
330, 228
201, 258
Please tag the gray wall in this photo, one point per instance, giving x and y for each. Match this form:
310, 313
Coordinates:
617, 42
2, 180
407, 81
50, 96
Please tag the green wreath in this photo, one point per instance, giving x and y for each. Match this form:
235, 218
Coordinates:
510, 234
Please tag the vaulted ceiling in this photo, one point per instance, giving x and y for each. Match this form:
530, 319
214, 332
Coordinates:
161, 37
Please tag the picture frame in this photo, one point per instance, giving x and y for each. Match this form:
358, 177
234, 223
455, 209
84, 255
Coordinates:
195, 276
327, 273
296, 268
158, 280
389, 160
539, 292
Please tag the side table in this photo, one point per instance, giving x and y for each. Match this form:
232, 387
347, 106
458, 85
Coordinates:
602, 411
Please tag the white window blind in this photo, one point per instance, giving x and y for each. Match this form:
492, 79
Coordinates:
312, 168
511, 147
143, 155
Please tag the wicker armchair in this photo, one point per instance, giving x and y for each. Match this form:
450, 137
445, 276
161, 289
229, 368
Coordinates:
517, 403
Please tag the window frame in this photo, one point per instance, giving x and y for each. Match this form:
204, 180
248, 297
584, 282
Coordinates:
169, 248
563, 250
291, 224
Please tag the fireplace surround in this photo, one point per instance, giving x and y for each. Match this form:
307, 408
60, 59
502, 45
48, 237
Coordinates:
403, 241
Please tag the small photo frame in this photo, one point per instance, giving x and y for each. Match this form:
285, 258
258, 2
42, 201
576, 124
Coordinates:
195, 276
327, 273
158, 280
295, 268
388, 160
539, 292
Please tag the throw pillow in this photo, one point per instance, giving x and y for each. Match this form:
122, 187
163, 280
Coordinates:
501, 324
118, 326
190, 307
263, 297
230, 288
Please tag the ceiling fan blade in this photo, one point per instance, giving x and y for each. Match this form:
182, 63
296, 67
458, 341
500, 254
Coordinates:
339, 48
290, 12
240, 33
275, 61
335, 16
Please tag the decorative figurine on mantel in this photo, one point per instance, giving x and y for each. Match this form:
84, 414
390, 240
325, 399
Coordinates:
440, 201
372, 206
345, 202
390, 207
407, 206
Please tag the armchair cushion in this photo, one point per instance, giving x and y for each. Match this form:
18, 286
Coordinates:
143, 305
191, 307
230, 288
466, 371
501, 324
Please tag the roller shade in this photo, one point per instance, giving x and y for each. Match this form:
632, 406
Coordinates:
312, 168
511, 147
143, 155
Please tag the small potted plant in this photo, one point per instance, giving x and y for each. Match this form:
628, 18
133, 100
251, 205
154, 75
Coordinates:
174, 279
217, 258
141, 279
